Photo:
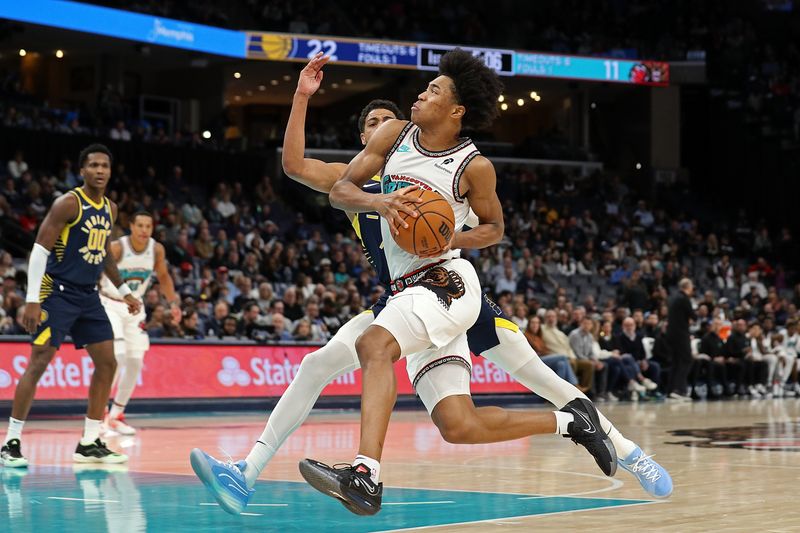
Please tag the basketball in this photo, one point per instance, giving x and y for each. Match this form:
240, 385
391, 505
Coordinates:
432, 229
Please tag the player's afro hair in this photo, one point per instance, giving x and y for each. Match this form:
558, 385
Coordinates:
96, 148
476, 87
378, 104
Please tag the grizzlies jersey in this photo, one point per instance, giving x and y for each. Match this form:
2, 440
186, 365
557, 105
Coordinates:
409, 163
80, 250
135, 268
481, 336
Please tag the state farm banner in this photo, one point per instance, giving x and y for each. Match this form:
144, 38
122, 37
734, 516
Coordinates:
210, 371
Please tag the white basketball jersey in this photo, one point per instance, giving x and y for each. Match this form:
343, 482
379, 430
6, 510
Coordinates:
408, 163
135, 268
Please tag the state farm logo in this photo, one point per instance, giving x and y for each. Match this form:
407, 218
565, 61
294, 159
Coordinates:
232, 374
5, 379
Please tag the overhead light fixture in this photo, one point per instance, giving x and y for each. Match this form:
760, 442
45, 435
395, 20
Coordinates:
286, 77
59, 53
520, 102
237, 97
334, 85
249, 93
237, 75
501, 98
638, 166
273, 82
534, 95
321, 91
593, 105
22, 52
206, 134
262, 87
503, 106
348, 81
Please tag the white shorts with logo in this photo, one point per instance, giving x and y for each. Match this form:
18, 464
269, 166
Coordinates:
429, 320
129, 334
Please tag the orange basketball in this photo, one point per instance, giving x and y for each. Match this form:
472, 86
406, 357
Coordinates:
432, 229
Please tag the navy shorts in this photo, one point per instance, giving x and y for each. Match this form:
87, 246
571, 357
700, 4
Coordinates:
73, 310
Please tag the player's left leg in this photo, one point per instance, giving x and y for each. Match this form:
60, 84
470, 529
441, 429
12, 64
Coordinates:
93, 330
515, 356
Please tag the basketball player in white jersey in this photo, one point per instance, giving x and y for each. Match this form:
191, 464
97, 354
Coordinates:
494, 337
437, 298
138, 257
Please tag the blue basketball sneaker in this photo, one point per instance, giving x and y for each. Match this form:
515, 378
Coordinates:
653, 477
225, 480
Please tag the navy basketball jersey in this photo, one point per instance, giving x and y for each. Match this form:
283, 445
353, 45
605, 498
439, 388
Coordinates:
368, 229
80, 249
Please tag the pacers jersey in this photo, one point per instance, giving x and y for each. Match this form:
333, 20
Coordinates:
80, 249
135, 268
407, 164
368, 229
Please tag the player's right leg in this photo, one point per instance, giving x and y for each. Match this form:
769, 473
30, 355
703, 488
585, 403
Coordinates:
59, 312
317, 369
11, 452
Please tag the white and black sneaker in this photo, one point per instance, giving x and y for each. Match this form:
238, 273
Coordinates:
349, 484
11, 455
97, 452
586, 431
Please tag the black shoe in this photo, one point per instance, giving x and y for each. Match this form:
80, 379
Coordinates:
586, 430
11, 455
351, 485
97, 452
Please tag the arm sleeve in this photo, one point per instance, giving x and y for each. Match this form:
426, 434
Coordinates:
36, 268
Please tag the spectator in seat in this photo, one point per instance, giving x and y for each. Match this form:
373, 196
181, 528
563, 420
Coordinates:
791, 347
763, 360
711, 345
582, 342
557, 342
557, 363
753, 285
291, 307
629, 345
190, 324
280, 331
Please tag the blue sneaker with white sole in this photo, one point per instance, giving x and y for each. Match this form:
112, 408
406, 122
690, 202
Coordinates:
224, 480
653, 477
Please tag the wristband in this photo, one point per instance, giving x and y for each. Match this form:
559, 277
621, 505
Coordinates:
124, 290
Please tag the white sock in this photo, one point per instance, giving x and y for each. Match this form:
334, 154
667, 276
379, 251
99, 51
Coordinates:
14, 428
316, 370
91, 431
623, 446
116, 410
562, 422
256, 460
373, 465
538, 377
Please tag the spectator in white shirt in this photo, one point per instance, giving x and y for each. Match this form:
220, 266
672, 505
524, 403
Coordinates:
752, 281
119, 132
17, 166
506, 282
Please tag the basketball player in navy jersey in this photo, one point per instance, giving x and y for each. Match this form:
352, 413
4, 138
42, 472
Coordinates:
70, 253
493, 336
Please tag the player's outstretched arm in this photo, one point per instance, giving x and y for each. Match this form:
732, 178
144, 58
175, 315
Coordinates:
312, 173
165, 284
65, 210
347, 194
478, 185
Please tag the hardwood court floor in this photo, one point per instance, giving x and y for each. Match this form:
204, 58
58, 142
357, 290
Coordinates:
743, 477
